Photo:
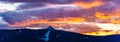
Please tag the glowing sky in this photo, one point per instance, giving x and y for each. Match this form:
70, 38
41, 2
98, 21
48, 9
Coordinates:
83, 16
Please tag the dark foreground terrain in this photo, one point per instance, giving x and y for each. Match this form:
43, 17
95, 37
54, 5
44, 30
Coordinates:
51, 35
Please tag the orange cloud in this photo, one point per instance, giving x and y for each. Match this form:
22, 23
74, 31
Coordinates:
87, 5
58, 20
111, 18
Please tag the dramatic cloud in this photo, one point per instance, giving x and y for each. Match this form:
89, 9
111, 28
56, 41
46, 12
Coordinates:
68, 12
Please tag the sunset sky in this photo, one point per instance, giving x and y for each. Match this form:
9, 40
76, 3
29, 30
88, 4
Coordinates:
82, 15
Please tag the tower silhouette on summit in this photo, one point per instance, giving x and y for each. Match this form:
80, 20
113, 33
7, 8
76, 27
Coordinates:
50, 28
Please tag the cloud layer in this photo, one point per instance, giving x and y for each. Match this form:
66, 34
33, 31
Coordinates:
66, 12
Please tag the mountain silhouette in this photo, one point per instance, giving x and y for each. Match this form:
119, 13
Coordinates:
51, 35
